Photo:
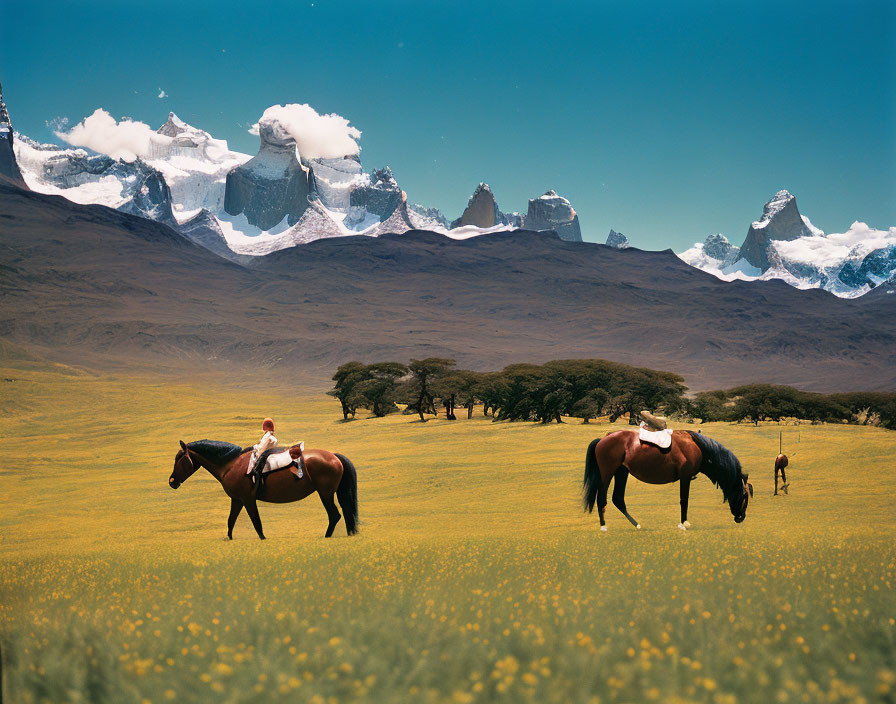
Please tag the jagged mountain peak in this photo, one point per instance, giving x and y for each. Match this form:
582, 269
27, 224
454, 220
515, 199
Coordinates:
9, 166
617, 240
482, 209
778, 203
780, 221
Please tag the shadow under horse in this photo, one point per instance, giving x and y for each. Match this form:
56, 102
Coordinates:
621, 453
327, 473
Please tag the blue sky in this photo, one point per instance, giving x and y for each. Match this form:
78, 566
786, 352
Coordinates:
665, 121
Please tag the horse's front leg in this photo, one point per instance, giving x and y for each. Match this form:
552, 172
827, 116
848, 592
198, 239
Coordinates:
252, 510
685, 491
235, 508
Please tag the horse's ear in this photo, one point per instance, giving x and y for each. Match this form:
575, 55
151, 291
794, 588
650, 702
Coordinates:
750, 487
183, 446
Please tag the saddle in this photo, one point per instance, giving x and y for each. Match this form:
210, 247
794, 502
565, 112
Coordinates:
654, 432
275, 460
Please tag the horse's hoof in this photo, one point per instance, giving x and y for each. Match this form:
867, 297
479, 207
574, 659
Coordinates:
638, 526
603, 528
686, 524
682, 526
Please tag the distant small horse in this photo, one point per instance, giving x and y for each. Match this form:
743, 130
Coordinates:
621, 452
780, 463
326, 473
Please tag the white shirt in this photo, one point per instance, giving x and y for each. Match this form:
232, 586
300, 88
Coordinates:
266, 443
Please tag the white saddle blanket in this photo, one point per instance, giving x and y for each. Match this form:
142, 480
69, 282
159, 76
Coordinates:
660, 438
277, 460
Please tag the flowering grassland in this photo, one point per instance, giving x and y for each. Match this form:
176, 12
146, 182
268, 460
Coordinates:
475, 577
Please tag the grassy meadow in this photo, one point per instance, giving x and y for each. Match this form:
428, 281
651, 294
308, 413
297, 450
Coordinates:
475, 577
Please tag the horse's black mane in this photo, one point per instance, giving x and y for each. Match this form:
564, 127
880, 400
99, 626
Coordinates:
720, 465
215, 450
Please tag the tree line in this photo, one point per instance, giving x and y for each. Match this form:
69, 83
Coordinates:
587, 389
583, 388
758, 402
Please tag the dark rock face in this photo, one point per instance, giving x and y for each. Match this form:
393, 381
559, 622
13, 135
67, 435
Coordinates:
9, 167
151, 197
880, 264
553, 212
482, 209
272, 185
617, 240
781, 220
380, 197
718, 247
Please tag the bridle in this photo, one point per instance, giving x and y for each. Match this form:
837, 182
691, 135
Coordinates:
172, 480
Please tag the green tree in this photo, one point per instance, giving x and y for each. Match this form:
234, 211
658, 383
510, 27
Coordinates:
420, 389
379, 391
345, 380
458, 388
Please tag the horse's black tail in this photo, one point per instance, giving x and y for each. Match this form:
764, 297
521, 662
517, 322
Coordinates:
591, 483
347, 494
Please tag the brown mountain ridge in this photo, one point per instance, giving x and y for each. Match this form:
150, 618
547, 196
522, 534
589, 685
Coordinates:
93, 286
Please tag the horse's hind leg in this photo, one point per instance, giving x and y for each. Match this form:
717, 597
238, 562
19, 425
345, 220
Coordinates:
685, 492
332, 512
621, 477
602, 502
252, 510
235, 508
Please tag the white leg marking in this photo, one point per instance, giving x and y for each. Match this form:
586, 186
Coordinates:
603, 528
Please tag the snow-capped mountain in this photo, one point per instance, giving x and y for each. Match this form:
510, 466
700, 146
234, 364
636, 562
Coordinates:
299, 187
785, 245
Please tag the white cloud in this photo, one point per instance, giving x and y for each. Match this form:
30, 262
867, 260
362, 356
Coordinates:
126, 140
834, 249
317, 136
162, 94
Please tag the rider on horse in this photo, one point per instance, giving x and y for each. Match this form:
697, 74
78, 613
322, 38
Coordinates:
262, 455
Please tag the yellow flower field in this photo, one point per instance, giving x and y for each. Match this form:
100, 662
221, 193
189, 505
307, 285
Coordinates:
475, 577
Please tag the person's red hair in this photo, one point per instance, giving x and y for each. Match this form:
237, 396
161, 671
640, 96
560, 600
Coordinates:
268, 424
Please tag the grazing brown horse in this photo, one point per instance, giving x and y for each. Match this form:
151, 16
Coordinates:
621, 453
326, 473
780, 463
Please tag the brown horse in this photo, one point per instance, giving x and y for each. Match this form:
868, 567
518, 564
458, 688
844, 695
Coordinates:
327, 473
621, 453
781, 462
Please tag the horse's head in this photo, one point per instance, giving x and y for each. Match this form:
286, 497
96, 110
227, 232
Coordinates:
184, 467
739, 499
